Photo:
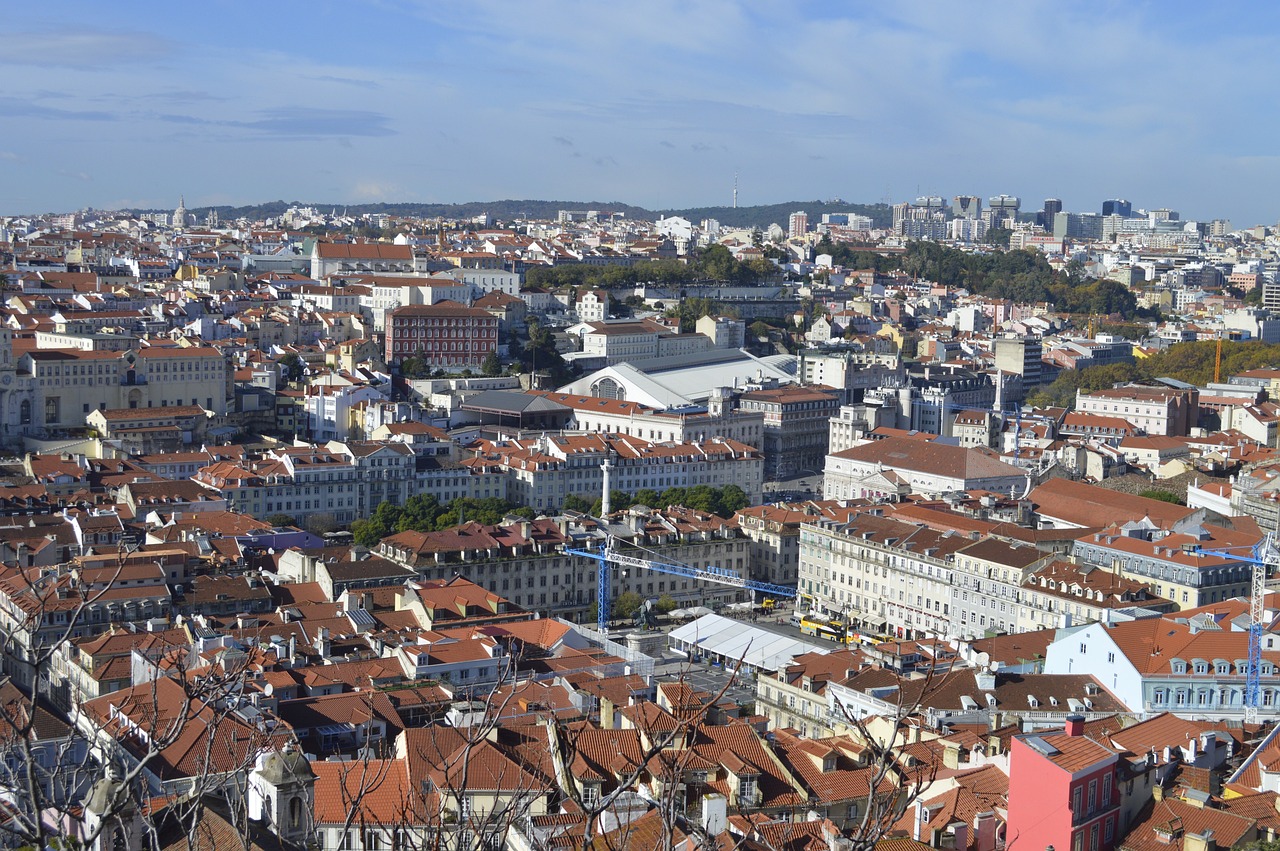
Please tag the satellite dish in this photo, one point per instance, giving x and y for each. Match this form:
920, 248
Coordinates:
982, 660
271, 551
268, 690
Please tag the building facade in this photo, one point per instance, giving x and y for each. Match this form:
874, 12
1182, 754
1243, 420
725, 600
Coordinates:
445, 334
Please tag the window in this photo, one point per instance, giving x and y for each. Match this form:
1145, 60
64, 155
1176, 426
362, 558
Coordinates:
746, 789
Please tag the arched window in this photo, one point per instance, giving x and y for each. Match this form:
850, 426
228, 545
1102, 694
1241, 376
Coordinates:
295, 812
607, 388
24, 412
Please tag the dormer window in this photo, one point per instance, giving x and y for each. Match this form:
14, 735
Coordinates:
590, 794
746, 789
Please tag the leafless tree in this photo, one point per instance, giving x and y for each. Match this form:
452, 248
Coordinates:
51, 761
897, 779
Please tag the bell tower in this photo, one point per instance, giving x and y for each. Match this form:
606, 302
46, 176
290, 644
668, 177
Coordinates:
282, 793
112, 814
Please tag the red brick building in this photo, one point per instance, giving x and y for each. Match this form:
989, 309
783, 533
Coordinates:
1062, 791
446, 334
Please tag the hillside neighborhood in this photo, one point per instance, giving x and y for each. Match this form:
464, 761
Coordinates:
950, 527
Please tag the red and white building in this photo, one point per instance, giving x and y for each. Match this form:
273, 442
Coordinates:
446, 334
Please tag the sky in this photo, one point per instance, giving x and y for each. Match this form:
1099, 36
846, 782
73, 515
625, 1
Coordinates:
658, 103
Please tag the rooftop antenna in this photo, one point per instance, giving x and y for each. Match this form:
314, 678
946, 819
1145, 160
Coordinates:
735, 190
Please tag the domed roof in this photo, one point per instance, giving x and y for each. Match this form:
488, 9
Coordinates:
286, 766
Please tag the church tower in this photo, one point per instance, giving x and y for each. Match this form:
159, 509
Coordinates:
180, 214
282, 793
112, 814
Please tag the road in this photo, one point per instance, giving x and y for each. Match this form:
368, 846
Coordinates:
806, 486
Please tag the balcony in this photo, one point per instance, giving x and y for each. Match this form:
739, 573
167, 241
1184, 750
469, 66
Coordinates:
1091, 814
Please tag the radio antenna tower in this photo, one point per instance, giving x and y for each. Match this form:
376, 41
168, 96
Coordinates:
735, 190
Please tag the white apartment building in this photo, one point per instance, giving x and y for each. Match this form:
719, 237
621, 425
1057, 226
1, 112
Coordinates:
1155, 410
882, 574
543, 471
388, 293
623, 341
987, 595
693, 424
898, 465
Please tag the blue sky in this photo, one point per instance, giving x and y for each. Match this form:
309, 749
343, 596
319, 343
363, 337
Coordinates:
656, 103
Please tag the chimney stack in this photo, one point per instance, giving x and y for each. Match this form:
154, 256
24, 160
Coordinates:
1075, 725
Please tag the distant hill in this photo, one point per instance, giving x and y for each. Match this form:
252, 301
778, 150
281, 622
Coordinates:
759, 216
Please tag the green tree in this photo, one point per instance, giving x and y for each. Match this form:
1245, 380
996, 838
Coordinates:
539, 353
492, 364
573, 502
674, 496
732, 499
294, 367
366, 533
702, 498
1163, 496
280, 520
666, 604
419, 513
625, 604
998, 237
415, 367
646, 496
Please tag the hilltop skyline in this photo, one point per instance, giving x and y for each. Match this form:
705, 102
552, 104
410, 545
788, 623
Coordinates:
660, 105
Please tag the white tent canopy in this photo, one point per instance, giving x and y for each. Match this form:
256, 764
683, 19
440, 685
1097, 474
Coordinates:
729, 641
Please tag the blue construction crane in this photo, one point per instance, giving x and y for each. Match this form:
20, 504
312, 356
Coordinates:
606, 554
1261, 555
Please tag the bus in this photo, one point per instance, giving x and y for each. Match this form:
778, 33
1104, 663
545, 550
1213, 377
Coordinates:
825, 628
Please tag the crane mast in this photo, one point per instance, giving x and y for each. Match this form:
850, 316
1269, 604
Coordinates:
1262, 554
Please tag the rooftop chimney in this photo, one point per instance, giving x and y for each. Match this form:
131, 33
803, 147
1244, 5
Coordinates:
1075, 725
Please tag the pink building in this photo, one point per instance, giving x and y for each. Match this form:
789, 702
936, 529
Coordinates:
1062, 791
